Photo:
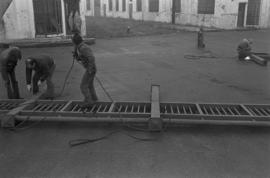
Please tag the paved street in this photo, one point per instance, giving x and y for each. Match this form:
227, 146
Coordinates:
127, 67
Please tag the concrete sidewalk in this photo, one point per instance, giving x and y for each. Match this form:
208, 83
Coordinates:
44, 42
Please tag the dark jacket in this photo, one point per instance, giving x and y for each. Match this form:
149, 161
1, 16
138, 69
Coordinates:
86, 56
8, 60
244, 47
43, 65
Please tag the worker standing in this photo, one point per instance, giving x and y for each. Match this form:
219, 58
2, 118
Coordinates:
244, 49
44, 67
8, 61
200, 43
84, 55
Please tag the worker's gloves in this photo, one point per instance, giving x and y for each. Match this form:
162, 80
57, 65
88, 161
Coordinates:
29, 87
75, 55
42, 85
39, 83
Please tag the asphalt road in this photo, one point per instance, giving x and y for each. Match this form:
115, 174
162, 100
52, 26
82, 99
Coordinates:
127, 67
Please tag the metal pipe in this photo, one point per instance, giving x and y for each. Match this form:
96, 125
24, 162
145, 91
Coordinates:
166, 121
80, 119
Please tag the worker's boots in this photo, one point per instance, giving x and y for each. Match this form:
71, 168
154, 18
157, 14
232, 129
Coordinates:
16, 91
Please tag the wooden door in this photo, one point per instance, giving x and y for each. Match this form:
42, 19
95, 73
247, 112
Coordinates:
241, 15
130, 10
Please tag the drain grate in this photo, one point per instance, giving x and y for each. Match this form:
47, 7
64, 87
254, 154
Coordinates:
6, 105
45, 106
223, 110
99, 107
178, 108
259, 110
132, 108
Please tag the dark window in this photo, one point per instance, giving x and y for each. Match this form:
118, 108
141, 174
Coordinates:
153, 5
110, 5
177, 5
123, 5
253, 12
117, 5
206, 7
88, 4
139, 5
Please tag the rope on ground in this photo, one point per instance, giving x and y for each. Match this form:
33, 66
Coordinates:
66, 78
103, 88
77, 142
195, 57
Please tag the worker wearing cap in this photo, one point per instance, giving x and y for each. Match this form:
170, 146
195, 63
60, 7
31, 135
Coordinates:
44, 67
84, 55
244, 49
8, 61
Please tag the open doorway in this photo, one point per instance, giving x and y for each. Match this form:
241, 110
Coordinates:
97, 7
72, 9
48, 17
241, 15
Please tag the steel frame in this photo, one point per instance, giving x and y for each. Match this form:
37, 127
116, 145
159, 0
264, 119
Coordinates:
153, 113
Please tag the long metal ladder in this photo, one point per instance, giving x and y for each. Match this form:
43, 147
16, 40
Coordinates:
152, 112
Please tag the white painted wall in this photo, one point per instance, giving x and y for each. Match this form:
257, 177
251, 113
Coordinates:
83, 13
19, 20
225, 16
265, 14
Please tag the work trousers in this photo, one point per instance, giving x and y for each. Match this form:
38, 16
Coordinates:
87, 87
243, 55
12, 86
50, 86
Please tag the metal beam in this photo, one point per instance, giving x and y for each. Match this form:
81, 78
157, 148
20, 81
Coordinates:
9, 119
155, 122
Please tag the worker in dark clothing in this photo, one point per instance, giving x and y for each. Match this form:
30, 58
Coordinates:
200, 43
84, 55
44, 67
244, 49
8, 61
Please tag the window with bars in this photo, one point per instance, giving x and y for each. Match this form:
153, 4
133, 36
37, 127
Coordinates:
110, 5
123, 5
139, 5
153, 5
88, 5
117, 5
206, 6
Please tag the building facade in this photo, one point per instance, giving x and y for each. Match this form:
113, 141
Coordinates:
225, 14
31, 18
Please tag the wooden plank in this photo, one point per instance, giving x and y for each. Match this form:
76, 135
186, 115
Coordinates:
155, 106
155, 122
9, 119
259, 60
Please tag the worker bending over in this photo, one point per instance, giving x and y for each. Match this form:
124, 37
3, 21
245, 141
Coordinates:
84, 55
44, 67
244, 49
8, 61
